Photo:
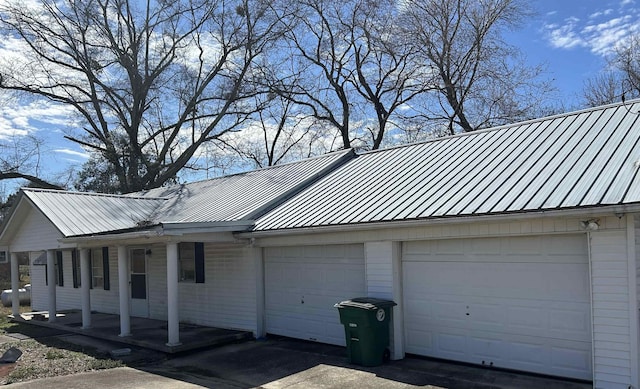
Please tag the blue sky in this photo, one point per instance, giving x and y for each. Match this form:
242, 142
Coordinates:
572, 37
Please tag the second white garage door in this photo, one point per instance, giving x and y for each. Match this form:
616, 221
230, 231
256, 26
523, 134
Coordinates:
303, 283
519, 303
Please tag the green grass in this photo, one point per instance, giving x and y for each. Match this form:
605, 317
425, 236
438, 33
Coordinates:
22, 373
54, 354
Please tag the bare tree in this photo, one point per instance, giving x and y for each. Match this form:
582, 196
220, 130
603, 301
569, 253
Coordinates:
152, 81
387, 70
482, 81
349, 64
314, 73
621, 78
602, 89
20, 158
277, 135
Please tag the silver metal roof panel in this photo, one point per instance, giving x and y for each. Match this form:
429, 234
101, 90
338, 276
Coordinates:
75, 213
240, 196
580, 159
233, 198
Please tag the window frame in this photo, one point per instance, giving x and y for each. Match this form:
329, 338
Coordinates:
193, 259
99, 261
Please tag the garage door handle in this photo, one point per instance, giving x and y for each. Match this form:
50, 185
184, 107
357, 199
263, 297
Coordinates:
355, 339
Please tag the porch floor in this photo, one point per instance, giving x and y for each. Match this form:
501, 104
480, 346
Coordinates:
146, 333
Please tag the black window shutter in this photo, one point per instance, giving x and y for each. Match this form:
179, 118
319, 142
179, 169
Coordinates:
74, 267
91, 269
60, 274
199, 254
105, 266
46, 275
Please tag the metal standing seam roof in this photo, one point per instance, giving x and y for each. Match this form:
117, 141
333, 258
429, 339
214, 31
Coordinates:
238, 197
77, 213
580, 159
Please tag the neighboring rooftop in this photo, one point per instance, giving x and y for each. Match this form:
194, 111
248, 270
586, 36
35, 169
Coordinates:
581, 159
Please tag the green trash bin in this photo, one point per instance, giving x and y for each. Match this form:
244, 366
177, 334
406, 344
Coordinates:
366, 327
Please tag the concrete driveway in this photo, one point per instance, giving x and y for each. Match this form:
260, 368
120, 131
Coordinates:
287, 363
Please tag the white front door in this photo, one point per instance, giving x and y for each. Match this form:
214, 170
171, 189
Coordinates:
138, 282
302, 284
512, 302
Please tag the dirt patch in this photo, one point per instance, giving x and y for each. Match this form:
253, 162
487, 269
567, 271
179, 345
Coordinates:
55, 358
44, 352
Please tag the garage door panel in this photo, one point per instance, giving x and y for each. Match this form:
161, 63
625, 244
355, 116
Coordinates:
521, 315
570, 321
555, 249
519, 280
302, 284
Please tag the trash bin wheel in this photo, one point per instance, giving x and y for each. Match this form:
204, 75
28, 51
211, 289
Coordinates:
386, 355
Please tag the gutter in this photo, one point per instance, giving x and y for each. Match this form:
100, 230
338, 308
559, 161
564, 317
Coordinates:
618, 210
164, 231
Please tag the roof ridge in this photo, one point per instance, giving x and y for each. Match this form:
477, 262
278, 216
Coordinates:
95, 194
510, 125
331, 153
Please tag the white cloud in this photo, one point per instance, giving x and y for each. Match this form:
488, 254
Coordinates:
564, 36
601, 32
73, 153
601, 13
24, 119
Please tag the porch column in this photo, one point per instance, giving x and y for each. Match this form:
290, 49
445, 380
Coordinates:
51, 288
85, 287
123, 291
15, 285
173, 321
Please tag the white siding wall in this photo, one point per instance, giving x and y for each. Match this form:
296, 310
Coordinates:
610, 294
35, 233
379, 269
226, 299
157, 281
383, 268
106, 301
68, 297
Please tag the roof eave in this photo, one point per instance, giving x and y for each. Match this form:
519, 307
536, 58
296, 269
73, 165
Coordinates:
618, 210
163, 231
180, 228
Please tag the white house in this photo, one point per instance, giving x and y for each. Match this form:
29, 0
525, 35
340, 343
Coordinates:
514, 247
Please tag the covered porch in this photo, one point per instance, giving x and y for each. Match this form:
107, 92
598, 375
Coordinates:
146, 276
146, 333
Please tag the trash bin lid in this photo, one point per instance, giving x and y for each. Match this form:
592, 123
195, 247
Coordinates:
369, 303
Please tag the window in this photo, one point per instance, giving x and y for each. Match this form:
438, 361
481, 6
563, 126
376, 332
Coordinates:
191, 262
100, 268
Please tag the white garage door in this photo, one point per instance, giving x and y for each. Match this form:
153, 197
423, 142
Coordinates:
519, 303
303, 283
